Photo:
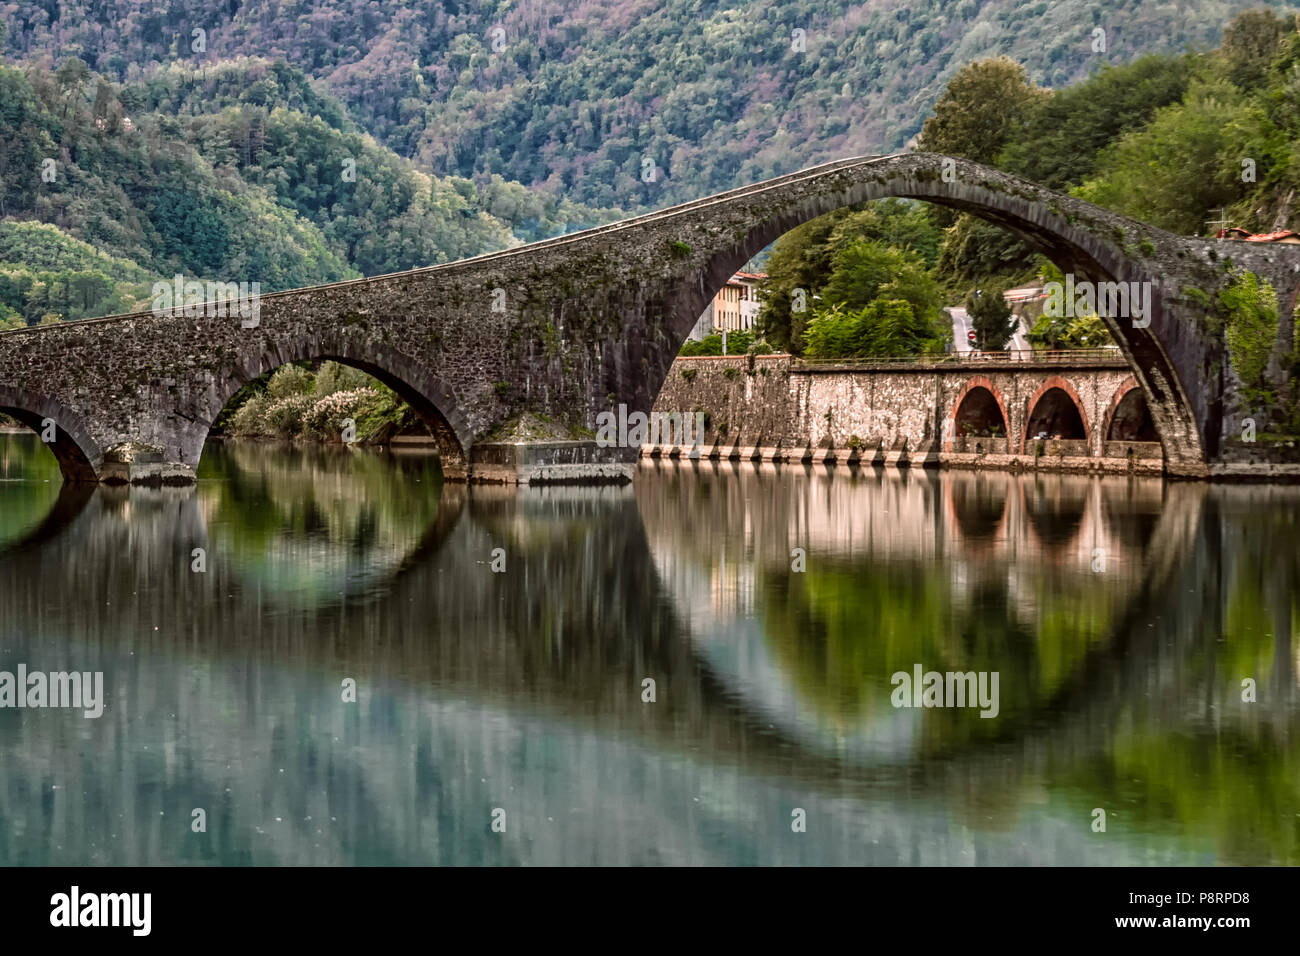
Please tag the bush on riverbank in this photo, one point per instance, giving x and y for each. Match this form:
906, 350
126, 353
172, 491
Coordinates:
296, 403
739, 342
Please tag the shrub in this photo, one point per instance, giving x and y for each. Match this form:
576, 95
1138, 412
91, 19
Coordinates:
324, 419
337, 377
249, 419
284, 417
290, 380
1251, 307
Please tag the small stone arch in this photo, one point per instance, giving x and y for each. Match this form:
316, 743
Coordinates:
78, 454
431, 398
1049, 384
974, 383
1125, 394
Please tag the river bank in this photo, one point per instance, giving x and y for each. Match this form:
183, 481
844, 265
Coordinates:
1059, 413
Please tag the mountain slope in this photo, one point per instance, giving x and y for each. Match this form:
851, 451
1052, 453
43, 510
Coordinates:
220, 174
577, 96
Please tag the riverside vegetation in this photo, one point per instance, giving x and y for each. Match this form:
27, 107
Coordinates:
297, 403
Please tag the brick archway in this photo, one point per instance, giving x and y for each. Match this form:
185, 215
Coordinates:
1051, 382
1128, 385
974, 382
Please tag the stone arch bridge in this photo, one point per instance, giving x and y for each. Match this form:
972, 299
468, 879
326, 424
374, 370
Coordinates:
574, 326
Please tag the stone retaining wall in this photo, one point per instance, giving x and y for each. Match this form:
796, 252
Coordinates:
770, 408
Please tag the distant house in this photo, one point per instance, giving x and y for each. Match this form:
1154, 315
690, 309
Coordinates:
1029, 293
734, 308
1285, 236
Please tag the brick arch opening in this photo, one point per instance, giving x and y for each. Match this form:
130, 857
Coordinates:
1129, 417
978, 410
431, 399
1057, 410
78, 454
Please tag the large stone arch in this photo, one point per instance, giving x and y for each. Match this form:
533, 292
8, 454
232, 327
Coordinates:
431, 398
1048, 384
1090, 242
79, 456
973, 383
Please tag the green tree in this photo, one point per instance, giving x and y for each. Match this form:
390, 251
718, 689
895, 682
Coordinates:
979, 109
1188, 160
1057, 141
974, 249
1250, 44
901, 223
990, 318
847, 257
72, 76
981, 105
884, 328
800, 262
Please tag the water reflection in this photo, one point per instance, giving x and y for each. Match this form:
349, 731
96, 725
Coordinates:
1120, 679
307, 524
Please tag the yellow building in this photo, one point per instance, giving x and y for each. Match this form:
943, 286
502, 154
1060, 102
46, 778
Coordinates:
734, 308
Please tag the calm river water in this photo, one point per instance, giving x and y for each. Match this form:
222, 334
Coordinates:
1121, 617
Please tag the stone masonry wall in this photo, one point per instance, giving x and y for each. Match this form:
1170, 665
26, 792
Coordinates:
769, 402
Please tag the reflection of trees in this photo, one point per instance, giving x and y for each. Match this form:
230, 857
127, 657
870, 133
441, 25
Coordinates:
29, 484
1234, 789
315, 520
841, 632
1193, 758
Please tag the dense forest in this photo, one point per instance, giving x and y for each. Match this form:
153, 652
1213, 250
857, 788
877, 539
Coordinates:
575, 95
241, 170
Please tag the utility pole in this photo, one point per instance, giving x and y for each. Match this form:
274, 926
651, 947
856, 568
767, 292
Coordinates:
1221, 222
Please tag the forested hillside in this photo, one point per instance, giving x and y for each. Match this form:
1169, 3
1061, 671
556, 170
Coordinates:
239, 171
577, 95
